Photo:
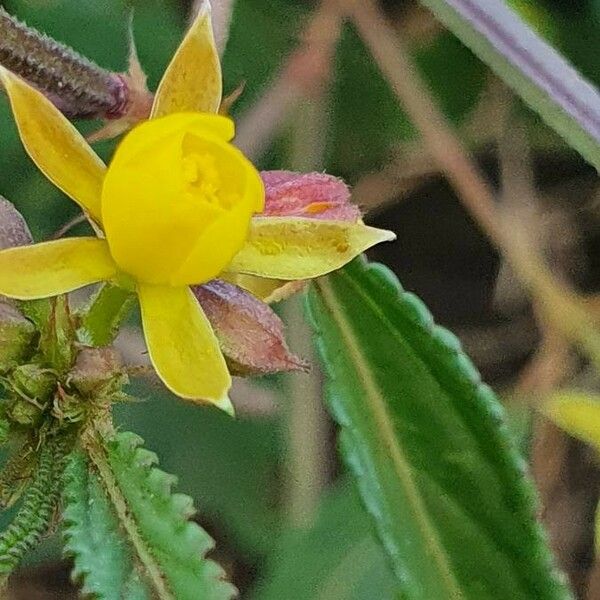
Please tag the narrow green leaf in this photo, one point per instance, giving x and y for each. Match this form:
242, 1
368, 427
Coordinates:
35, 514
338, 558
16, 473
103, 559
100, 319
537, 72
171, 549
427, 444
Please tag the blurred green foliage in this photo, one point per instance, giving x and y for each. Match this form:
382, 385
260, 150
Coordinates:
341, 560
230, 466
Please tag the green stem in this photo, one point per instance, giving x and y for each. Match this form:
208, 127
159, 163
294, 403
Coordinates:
100, 320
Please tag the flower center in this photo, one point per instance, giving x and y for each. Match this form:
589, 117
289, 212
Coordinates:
202, 180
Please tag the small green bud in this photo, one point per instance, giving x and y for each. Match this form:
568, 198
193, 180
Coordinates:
4, 428
33, 381
24, 412
97, 371
16, 337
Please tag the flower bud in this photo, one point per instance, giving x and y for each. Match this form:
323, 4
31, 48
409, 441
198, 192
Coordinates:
33, 381
13, 228
308, 195
67, 407
97, 371
16, 337
24, 412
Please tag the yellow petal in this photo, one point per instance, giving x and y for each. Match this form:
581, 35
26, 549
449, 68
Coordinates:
225, 405
148, 134
296, 248
192, 81
577, 413
182, 345
214, 247
56, 147
52, 268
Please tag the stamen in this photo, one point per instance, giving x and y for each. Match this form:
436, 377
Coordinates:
202, 178
190, 169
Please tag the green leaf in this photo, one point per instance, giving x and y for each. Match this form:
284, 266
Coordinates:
16, 473
338, 556
235, 482
170, 548
427, 444
537, 72
100, 319
35, 514
103, 559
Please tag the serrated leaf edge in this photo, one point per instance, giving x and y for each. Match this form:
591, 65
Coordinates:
72, 524
127, 448
389, 440
447, 341
152, 570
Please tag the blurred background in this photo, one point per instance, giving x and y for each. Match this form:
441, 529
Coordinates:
268, 486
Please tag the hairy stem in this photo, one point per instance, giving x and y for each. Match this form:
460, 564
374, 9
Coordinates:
77, 86
97, 454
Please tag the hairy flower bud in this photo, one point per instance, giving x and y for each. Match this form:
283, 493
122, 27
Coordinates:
67, 407
13, 228
310, 195
16, 337
33, 381
97, 370
24, 412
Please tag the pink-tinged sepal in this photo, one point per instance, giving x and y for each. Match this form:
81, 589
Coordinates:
13, 229
309, 195
249, 332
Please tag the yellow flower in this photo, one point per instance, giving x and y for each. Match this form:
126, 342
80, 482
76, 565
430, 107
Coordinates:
178, 181
174, 208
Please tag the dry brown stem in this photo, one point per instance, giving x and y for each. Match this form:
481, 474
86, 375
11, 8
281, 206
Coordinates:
558, 303
304, 74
